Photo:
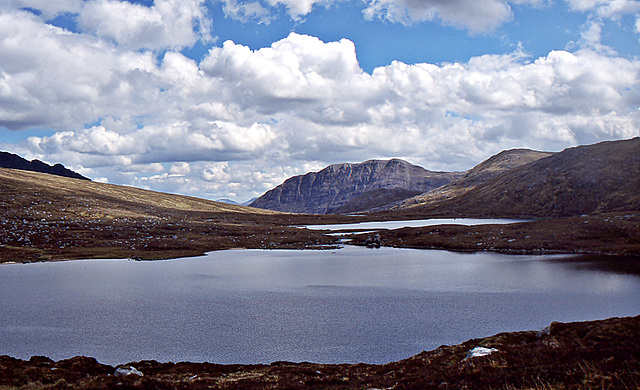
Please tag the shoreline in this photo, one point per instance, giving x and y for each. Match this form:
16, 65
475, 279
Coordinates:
587, 354
610, 234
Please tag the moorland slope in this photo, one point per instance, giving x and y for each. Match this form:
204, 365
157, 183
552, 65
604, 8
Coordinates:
48, 217
478, 175
13, 161
599, 178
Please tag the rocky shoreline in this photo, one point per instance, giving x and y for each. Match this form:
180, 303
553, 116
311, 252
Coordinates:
579, 355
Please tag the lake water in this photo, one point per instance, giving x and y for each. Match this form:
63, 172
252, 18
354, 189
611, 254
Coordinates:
377, 225
251, 306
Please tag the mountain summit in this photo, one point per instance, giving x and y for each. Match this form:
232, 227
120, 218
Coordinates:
13, 161
344, 188
478, 175
603, 177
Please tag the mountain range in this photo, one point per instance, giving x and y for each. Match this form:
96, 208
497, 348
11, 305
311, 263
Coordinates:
347, 188
13, 161
604, 177
477, 176
518, 182
584, 199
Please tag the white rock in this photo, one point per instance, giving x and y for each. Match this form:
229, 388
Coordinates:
124, 371
479, 351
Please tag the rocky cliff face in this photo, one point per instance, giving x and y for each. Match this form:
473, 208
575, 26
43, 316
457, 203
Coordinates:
332, 189
13, 161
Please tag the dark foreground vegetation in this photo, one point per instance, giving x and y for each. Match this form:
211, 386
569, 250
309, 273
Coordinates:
583, 355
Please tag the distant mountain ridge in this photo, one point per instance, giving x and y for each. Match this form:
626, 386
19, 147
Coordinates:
478, 175
603, 177
233, 202
348, 187
13, 161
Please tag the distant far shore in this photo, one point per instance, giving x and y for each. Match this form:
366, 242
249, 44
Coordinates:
167, 238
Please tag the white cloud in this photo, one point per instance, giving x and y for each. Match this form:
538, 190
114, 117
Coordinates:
298, 8
69, 79
475, 15
599, 11
585, 5
617, 8
246, 11
48, 8
261, 10
217, 172
606, 8
242, 120
166, 24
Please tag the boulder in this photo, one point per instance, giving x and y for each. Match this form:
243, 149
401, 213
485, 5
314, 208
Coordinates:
479, 351
126, 371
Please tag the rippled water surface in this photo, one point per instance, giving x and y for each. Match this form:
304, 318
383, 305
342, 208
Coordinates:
250, 306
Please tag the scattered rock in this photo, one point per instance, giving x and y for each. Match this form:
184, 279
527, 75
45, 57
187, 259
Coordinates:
479, 351
126, 371
373, 241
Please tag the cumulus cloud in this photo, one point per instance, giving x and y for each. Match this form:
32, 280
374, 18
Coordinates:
617, 8
261, 10
475, 15
241, 121
70, 79
298, 7
606, 8
246, 11
599, 11
47, 8
166, 24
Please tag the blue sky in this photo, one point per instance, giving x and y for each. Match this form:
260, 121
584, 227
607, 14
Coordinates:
378, 43
147, 93
536, 29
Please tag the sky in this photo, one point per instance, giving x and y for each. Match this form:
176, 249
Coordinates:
228, 98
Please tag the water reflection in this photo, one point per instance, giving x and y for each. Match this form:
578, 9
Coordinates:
250, 306
609, 263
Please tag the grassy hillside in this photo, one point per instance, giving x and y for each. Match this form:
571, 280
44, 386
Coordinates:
47, 217
99, 199
604, 177
479, 175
